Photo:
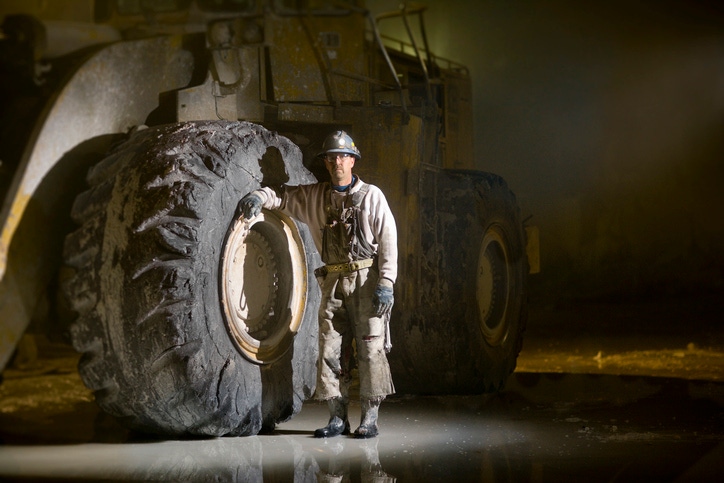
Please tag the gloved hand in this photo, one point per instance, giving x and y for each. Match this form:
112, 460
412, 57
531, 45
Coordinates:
249, 206
383, 298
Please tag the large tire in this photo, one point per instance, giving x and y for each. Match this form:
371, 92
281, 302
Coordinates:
464, 334
175, 339
500, 311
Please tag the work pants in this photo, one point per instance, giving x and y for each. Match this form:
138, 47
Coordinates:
346, 314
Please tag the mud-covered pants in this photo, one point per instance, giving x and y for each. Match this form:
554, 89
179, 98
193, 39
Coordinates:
346, 314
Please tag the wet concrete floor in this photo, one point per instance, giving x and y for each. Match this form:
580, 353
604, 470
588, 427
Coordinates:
609, 401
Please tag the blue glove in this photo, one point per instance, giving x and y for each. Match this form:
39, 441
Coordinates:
383, 299
249, 206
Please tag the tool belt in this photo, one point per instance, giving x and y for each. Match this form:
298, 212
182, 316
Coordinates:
344, 267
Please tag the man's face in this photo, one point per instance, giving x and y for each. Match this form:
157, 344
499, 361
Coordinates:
340, 168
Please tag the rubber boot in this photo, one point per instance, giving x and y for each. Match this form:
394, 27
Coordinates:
368, 422
338, 421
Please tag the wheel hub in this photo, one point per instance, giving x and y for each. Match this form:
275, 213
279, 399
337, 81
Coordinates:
493, 287
263, 285
254, 261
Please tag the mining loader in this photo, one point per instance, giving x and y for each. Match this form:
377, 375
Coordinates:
131, 130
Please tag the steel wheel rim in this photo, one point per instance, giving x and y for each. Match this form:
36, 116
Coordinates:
263, 285
493, 286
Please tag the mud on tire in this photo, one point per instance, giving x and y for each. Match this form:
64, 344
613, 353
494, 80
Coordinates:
159, 350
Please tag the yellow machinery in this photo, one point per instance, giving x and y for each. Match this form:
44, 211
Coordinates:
131, 129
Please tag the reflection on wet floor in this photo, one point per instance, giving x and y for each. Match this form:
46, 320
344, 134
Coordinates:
598, 403
261, 458
543, 427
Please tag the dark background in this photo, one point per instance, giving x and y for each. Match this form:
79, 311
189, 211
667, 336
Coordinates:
606, 119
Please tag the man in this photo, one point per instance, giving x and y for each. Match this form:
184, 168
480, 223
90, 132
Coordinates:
356, 235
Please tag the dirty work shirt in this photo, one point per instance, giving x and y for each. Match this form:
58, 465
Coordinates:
307, 203
346, 311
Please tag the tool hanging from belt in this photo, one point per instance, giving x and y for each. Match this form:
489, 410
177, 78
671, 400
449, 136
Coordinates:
388, 336
344, 267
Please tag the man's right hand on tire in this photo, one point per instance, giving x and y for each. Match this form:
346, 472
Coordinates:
249, 206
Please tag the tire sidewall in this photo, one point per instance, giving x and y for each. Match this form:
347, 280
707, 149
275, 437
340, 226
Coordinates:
481, 202
181, 373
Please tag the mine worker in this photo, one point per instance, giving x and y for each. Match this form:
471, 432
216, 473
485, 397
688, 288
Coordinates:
356, 236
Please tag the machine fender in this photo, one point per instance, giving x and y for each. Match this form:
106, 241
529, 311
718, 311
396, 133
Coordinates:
115, 89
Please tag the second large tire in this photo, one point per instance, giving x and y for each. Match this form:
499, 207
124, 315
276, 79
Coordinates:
464, 333
190, 321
